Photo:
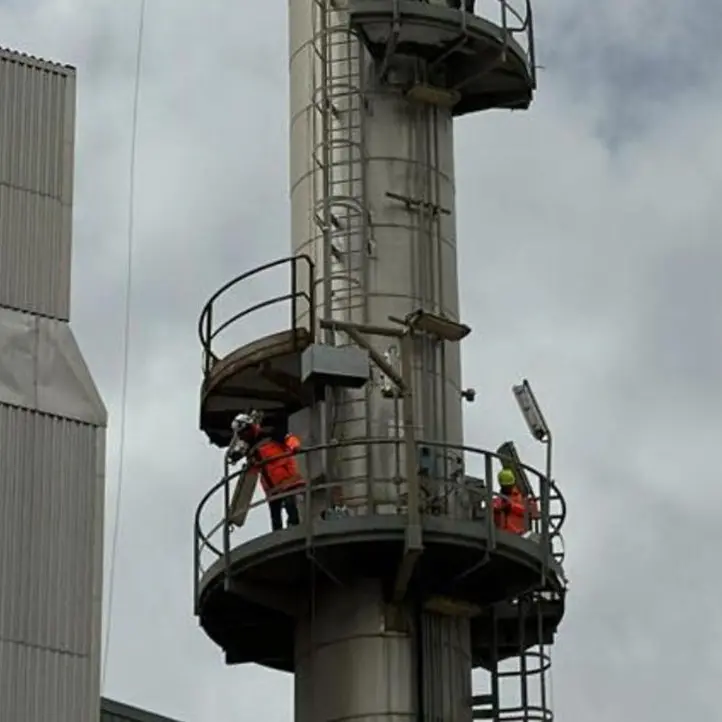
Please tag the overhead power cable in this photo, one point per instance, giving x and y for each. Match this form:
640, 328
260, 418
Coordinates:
126, 341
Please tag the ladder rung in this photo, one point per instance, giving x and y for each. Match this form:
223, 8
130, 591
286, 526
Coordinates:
478, 699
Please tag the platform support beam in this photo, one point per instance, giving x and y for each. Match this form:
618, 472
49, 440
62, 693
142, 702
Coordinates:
413, 545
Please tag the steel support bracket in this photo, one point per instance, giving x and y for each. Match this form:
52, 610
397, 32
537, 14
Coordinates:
413, 548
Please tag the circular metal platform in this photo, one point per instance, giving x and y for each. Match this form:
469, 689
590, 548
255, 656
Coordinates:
264, 374
277, 566
487, 62
249, 596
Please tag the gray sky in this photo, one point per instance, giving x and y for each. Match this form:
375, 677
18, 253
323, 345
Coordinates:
589, 235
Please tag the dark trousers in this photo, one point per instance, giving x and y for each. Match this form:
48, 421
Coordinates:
468, 5
277, 505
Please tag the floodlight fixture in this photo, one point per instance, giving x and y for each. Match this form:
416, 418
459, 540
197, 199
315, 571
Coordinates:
531, 411
437, 325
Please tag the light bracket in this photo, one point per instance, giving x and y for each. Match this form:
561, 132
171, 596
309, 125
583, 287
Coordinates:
436, 325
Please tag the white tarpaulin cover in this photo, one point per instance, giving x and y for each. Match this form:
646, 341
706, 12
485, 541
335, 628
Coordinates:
41, 368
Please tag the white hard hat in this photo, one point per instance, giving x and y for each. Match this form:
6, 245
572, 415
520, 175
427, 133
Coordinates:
241, 421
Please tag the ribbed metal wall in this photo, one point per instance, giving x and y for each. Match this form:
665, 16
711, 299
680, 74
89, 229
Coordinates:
37, 118
446, 662
51, 506
52, 419
111, 711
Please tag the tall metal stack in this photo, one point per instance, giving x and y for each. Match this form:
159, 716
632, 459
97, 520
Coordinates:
52, 419
398, 581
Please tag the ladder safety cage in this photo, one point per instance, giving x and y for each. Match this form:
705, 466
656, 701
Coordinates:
519, 687
338, 158
303, 288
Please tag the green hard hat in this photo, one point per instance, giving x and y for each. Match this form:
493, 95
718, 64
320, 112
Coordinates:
506, 477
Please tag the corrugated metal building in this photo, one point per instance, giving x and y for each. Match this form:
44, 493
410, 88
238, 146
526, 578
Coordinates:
52, 419
37, 126
111, 711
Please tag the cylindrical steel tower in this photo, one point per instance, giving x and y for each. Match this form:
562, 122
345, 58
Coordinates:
364, 159
397, 583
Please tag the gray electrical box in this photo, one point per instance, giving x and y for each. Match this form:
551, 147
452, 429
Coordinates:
340, 366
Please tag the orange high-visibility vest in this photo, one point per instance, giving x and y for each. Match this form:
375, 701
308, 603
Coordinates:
515, 512
280, 475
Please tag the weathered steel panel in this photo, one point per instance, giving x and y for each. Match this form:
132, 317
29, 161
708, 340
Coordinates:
37, 118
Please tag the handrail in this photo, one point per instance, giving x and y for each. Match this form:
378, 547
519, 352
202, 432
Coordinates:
508, 7
206, 330
553, 522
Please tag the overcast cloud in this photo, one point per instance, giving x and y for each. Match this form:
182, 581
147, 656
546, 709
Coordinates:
589, 235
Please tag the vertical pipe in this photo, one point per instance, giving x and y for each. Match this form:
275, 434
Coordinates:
420, 639
227, 523
489, 500
209, 331
327, 158
307, 509
546, 541
196, 563
412, 479
312, 297
495, 691
523, 667
294, 297
542, 658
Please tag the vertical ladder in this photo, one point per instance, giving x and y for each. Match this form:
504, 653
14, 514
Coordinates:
519, 688
339, 156
340, 211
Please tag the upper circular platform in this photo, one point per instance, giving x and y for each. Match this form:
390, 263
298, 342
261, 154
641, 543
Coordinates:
249, 594
483, 61
264, 374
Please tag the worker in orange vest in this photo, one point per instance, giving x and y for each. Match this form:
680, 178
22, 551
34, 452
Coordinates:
278, 475
513, 511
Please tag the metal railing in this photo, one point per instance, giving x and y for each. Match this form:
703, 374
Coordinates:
515, 18
523, 33
208, 331
473, 500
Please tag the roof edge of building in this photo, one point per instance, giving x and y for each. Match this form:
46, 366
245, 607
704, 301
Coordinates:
133, 714
18, 56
